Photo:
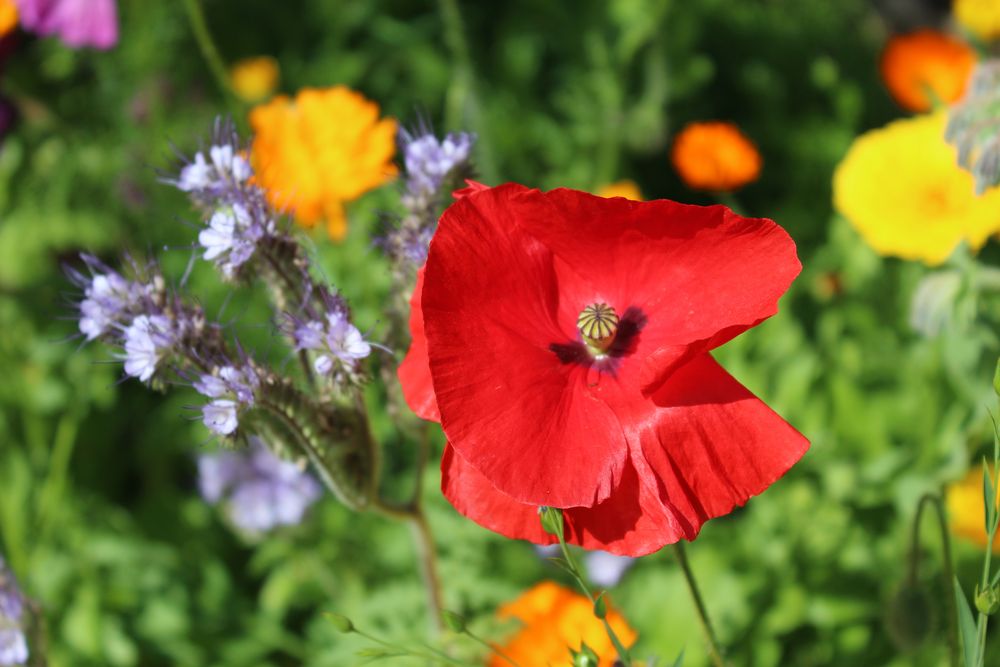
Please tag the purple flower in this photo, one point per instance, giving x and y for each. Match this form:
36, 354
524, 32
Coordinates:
232, 389
606, 569
230, 238
260, 490
78, 23
13, 646
429, 160
431, 163
334, 338
147, 340
224, 168
109, 299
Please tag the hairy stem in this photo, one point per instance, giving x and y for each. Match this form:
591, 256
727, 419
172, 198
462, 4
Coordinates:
714, 650
947, 574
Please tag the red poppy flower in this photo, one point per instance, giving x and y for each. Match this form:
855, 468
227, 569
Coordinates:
562, 341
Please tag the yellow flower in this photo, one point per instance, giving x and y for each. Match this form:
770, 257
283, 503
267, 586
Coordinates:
964, 501
255, 79
556, 619
322, 149
8, 16
626, 188
902, 189
980, 17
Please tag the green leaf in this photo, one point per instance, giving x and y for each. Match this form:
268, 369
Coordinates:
600, 607
966, 626
680, 659
989, 498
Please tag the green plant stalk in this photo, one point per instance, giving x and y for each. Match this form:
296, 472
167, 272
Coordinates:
623, 655
492, 647
706, 625
982, 620
948, 574
462, 100
209, 51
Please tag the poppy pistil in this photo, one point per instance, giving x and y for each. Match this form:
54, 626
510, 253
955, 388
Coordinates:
598, 324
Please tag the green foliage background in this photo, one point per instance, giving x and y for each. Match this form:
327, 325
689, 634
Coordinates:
99, 514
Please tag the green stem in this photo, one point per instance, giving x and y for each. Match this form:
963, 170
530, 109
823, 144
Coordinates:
493, 647
948, 575
623, 655
209, 51
706, 625
58, 470
462, 102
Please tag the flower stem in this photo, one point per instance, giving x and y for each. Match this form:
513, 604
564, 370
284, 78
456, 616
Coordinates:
209, 51
714, 650
462, 104
947, 575
423, 542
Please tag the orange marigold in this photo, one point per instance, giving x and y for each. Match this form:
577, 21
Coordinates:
715, 156
926, 65
8, 16
322, 149
625, 188
555, 620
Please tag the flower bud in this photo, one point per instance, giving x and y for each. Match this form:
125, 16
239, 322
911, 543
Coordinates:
909, 617
600, 607
454, 622
552, 520
585, 657
988, 600
341, 622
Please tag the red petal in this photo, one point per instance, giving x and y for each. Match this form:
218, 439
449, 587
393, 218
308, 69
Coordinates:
507, 403
632, 522
710, 444
508, 272
471, 188
415, 373
701, 275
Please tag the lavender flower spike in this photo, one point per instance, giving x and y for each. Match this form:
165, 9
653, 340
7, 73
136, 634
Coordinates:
230, 238
260, 490
13, 645
429, 160
108, 298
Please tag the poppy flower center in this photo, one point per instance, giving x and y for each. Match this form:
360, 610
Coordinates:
598, 324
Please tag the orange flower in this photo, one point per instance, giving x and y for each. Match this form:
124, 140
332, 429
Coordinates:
926, 65
555, 620
8, 16
325, 148
715, 156
626, 188
255, 79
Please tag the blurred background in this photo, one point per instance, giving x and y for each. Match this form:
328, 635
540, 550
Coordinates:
100, 515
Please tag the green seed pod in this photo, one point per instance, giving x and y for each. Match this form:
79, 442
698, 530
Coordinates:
909, 617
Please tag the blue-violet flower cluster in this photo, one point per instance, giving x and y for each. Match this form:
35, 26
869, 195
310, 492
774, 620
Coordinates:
260, 490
